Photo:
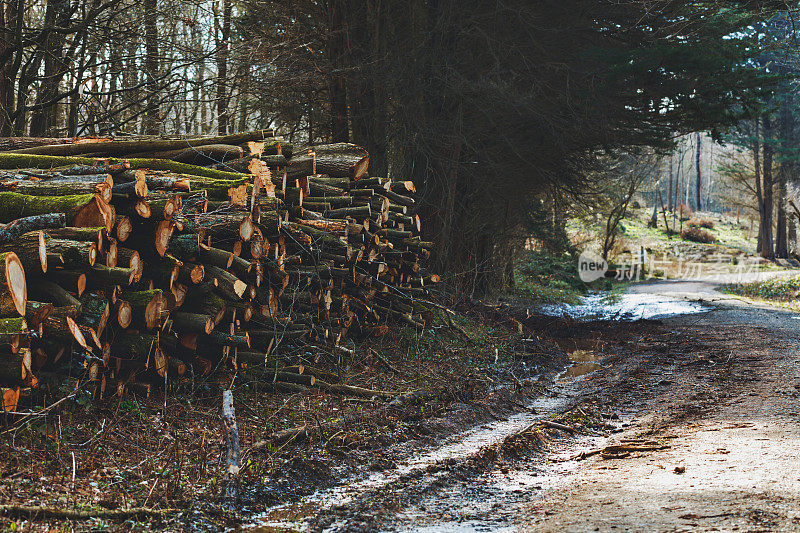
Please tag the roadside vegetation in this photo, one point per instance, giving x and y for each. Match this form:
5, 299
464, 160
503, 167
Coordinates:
780, 291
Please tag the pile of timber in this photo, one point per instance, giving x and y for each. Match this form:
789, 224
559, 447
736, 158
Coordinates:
128, 264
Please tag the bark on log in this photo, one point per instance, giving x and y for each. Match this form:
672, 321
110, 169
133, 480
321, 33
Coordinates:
68, 185
192, 322
20, 226
31, 250
121, 148
337, 160
200, 155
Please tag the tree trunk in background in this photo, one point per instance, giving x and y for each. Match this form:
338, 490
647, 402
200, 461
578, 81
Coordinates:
152, 113
698, 182
767, 243
671, 178
784, 176
223, 44
5, 82
44, 121
9, 68
366, 45
244, 90
337, 93
759, 191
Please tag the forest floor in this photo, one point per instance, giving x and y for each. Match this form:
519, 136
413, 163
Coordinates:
509, 421
165, 453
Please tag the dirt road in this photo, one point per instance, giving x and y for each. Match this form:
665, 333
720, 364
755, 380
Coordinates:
717, 390
705, 407
733, 427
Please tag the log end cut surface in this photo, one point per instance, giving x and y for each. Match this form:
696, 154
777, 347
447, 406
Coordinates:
15, 280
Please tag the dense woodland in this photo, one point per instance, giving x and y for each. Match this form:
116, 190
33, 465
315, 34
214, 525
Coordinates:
501, 112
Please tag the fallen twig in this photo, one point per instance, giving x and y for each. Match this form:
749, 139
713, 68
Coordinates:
556, 425
35, 511
384, 361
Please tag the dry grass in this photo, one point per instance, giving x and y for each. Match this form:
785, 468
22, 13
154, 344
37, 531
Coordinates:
698, 235
701, 223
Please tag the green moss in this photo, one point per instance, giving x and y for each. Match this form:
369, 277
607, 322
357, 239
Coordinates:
9, 161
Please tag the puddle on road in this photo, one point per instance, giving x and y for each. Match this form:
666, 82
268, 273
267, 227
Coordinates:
626, 307
583, 362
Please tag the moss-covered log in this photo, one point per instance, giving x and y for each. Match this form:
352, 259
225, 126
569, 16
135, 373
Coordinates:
80, 209
98, 185
121, 148
16, 160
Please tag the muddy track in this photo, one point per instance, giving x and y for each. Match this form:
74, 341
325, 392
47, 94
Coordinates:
718, 393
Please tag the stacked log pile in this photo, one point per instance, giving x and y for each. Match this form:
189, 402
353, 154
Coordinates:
140, 262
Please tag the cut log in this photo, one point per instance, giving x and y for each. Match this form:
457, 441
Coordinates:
76, 254
13, 287
31, 250
192, 322
59, 185
122, 148
200, 155
337, 160
145, 307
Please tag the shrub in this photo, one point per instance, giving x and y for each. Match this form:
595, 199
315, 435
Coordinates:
702, 223
698, 235
685, 212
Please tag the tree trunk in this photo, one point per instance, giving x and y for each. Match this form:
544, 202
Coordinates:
698, 182
152, 115
767, 243
784, 176
336, 88
671, 179
223, 32
44, 119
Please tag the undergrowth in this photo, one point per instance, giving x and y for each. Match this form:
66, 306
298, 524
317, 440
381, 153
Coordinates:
548, 278
782, 290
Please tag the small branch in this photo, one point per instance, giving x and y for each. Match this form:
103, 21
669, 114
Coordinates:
37, 512
230, 491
